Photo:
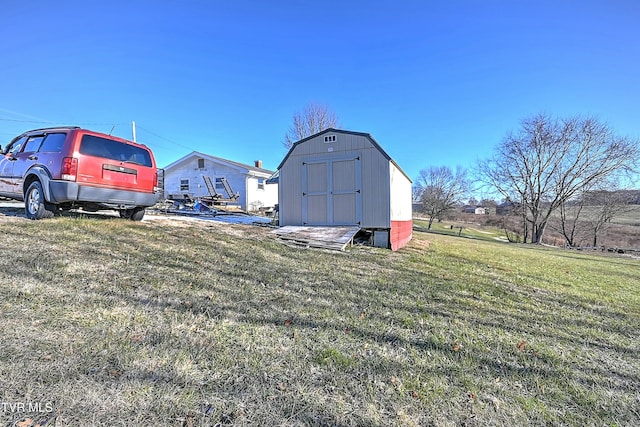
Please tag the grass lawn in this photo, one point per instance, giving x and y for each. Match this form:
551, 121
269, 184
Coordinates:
461, 229
109, 322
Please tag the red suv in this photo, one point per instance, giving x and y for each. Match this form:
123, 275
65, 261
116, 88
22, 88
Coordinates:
62, 168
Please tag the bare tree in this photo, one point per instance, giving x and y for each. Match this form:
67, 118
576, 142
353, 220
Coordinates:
416, 192
440, 190
588, 216
569, 226
312, 119
548, 161
511, 227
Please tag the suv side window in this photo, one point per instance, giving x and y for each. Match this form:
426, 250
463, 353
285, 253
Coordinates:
33, 144
15, 146
53, 143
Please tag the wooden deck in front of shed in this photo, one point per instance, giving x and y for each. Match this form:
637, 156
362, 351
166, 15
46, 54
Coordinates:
336, 238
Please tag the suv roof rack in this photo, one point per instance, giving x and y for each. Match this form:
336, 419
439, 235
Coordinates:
53, 127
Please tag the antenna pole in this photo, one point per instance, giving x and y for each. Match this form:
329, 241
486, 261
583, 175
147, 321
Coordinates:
133, 130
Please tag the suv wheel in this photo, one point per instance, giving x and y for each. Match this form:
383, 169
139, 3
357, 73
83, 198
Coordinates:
34, 204
135, 214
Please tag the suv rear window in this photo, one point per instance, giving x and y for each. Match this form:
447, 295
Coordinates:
102, 147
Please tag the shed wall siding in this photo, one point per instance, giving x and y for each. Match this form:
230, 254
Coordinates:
401, 233
375, 191
401, 208
401, 197
374, 177
290, 192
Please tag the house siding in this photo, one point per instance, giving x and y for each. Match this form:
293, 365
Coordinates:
244, 182
197, 187
266, 198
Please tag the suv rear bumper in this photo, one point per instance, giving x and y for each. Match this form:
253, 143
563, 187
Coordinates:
72, 192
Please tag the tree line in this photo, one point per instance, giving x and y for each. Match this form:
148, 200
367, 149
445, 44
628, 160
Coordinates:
571, 168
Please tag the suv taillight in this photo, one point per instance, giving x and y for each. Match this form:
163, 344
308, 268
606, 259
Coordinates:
69, 168
155, 182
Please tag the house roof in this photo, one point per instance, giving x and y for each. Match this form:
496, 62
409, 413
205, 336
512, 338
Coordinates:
230, 163
348, 132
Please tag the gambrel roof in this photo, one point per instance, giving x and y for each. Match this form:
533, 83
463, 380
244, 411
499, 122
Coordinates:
347, 132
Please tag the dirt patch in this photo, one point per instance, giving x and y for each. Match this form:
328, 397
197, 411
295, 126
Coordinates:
11, 211
238, 230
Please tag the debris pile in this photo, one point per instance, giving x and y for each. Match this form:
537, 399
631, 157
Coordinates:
205, 210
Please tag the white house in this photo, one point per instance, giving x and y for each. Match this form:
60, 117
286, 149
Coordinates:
338, 177
187, 176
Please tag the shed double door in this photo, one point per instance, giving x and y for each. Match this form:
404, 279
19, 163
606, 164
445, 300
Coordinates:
331, 191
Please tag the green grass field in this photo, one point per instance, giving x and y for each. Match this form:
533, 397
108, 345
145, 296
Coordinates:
469, 231
109, 322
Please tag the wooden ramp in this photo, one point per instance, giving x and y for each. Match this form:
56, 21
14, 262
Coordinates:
336, 238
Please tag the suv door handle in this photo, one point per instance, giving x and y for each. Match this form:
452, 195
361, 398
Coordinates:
12, 158
32, 157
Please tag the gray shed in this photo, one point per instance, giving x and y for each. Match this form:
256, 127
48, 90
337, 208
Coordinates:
338, 177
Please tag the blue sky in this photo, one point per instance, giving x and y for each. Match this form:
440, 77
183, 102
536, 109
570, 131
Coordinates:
435, 83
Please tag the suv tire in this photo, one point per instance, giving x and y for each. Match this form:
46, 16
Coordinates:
35, 206
135, 214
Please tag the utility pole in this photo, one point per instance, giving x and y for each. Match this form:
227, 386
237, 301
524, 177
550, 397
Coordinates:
133, 130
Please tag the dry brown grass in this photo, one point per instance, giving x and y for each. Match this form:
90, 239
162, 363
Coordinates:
178, 323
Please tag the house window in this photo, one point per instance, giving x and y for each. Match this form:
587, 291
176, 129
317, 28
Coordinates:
200, 163
219, 184
260, 183
330, 138
184, 185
